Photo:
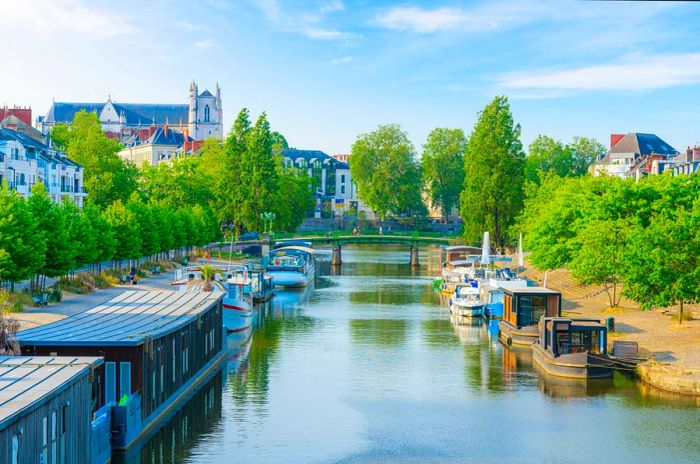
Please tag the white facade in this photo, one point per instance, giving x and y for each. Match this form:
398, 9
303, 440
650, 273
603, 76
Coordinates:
24, 162
205, 114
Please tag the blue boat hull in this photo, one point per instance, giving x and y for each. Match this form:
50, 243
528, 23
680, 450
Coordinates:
238, 315
288, 279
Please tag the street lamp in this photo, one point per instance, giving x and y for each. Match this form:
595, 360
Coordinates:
268, 218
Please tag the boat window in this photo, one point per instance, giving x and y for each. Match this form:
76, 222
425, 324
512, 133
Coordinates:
124, 379
15, 448
532, 308
110, 382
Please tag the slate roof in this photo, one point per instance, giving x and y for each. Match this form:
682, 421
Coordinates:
135, 113
42, 150
27, 382
643, 144
206, 93
126, 320
159, 138
293, 154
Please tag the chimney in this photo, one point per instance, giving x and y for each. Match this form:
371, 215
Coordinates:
696, 153
615, 139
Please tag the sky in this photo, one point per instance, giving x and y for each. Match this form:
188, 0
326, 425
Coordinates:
326, 71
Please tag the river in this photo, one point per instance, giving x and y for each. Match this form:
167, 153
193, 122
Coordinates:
367, 367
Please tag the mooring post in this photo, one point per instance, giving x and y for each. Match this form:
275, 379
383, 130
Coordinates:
414, 256
337, 256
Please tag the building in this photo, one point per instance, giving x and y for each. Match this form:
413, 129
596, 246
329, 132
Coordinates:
200, 118
336, 195
20, 112
24, 161
158, 347
343, 157
688, 163
46, 412
635, 155
159, 144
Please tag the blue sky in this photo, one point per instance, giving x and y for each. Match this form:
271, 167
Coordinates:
328, 70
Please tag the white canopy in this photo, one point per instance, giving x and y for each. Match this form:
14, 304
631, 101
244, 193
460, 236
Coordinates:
486, 250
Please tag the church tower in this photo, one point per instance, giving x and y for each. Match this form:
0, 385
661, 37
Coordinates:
205, 114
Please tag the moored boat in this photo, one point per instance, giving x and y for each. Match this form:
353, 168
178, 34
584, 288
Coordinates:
522, 310
466, 302
573, 348
291, 266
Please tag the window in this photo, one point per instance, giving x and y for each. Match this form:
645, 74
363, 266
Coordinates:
206, 113
45, 438
532, 308
342, 189
110, 382
21, 179
54, 425
124, 379
15, 448
342, 178
174, 360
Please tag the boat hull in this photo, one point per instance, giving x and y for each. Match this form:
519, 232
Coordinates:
573, 365
511, 335
290, 279
466, 311
494, 310
238, 316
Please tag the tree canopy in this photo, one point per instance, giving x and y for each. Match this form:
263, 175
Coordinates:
387, 174
546, 154
442, 165
494, 165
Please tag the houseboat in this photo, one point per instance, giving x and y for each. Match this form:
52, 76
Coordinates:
450, 280
237, 283
522, 310
573, 348
46, 410
459, 256
291, 266
158, 348
493, 301
466, 302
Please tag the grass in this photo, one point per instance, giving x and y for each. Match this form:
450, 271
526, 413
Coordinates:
13, 302
687, 316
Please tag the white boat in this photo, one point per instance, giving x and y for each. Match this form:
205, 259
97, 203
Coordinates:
291, 266
237, 302
465, 302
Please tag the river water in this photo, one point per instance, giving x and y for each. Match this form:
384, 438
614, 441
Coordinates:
367, 367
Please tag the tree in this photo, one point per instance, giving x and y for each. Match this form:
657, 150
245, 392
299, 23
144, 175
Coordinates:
662, 266
81, 234
105, 238
22, 245
388, 177
584, 152
150, 243
126, 231
50, 219
279, 142
494, 166
442, 165
599, 256
106, 176
180, 182
572, 160
294, 199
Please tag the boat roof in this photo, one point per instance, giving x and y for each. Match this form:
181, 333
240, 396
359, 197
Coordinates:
531, 290
126, 320
288, 243
296, 248
577, 322
462, 247
27, 382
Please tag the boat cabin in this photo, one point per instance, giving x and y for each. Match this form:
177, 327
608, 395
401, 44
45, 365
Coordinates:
561, 336
459, 255
522, 310
46, 412
290, 258
156, 346
573, 348
525, 306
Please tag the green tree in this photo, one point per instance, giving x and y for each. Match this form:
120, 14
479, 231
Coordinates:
279, 142
126, 231
150, 243
81, 234
105, 238
106, 176
571, 160
294, 199
388, 177
442, 164
494, 166
162, 228
662, 266
584, 152
22, 245
50, 220
180, 182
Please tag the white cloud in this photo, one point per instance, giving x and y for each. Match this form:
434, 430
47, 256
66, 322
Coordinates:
44, 17
483, 18
206, 43
307, 23
344, 59
631, 73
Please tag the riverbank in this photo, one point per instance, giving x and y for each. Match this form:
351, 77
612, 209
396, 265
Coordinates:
672, 349
73, 303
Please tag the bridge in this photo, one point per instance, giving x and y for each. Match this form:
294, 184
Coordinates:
337, 242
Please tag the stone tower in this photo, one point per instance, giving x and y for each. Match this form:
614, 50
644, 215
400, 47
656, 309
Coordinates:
205, 114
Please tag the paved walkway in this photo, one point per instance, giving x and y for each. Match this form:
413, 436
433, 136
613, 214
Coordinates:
75, 304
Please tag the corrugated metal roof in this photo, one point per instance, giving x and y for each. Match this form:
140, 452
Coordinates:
124, 321
27, 381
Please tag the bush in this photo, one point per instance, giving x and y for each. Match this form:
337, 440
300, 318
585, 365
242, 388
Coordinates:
12, 302
106, 280
81, 283
55, 294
